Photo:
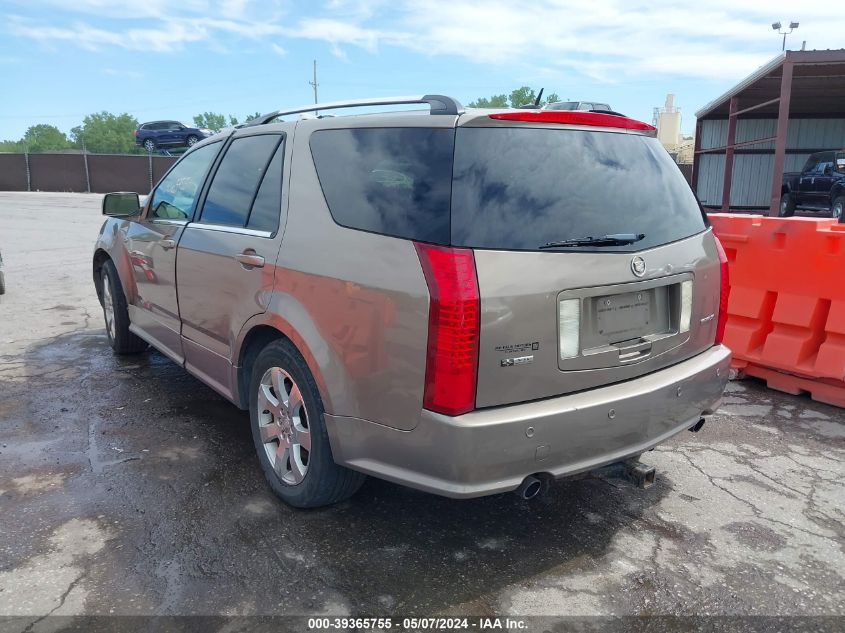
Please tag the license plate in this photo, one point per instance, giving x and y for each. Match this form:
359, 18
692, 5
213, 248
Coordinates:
623, 317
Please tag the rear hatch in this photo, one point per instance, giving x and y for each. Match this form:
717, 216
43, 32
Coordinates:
555, 320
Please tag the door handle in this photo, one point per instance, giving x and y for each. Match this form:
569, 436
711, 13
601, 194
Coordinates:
629, 352
249, 259
167, 244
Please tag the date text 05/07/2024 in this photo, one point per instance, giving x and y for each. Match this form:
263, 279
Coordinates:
417, 624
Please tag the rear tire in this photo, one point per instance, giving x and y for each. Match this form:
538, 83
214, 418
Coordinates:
837, 209
150, 145
289, 431
191, 140
787, 206
116, 315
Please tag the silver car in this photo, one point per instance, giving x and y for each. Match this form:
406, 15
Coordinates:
462, 301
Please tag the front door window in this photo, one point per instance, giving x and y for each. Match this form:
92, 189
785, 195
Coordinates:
175, 195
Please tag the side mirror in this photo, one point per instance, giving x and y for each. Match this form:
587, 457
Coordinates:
121, 203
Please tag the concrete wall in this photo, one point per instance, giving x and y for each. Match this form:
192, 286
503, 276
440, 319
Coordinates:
752, 170
66, 172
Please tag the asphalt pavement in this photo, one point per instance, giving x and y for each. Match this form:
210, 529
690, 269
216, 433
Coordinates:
127, 487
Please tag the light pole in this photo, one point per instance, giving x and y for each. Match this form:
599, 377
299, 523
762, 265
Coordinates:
776, 26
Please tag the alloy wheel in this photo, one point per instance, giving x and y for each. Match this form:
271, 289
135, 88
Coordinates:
108, 306
283, 424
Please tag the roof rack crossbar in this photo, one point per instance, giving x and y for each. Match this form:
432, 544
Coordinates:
440, 104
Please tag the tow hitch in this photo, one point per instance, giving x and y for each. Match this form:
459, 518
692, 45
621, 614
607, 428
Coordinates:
633, 470
642, 475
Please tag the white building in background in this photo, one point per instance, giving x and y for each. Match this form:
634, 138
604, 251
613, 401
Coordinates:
668, 122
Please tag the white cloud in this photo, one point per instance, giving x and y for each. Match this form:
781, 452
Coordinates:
609, 41
338, 32
167, 37
278, 49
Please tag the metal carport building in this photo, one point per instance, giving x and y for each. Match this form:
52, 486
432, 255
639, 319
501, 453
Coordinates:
767, 125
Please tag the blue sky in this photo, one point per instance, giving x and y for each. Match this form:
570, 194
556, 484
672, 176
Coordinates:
63, 59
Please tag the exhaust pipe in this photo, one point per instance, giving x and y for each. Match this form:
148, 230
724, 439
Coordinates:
529, 488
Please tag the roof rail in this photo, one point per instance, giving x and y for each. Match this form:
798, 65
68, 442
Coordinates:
440, 104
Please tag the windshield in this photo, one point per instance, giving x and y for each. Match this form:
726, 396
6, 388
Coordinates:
521, 188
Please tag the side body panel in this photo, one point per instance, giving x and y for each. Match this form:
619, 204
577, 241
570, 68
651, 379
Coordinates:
218, 294
147, 274
111, 241
154, 308
837, 188
357, 301
790, 182
805, 189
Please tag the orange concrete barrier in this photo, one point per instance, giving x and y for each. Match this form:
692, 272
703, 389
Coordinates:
786, 311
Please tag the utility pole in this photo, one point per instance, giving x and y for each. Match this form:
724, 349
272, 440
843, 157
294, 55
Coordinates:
314, 83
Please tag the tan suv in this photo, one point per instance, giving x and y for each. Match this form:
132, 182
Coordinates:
462, 301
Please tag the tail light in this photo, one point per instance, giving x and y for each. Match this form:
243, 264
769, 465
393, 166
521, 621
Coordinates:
451, 370
574, 117
724, 291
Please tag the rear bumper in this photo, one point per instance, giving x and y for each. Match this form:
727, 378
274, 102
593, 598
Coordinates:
492, 450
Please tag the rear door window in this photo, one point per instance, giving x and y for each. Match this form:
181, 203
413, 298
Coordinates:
519, 188
237, 179
394, 181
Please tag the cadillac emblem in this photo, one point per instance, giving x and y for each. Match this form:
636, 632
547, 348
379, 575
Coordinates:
638, 266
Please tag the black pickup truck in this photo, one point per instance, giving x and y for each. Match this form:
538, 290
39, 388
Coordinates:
820, 186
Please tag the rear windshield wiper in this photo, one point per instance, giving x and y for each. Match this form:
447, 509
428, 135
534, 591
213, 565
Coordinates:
617, 239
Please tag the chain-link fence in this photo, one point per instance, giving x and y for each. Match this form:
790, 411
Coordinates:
82, 172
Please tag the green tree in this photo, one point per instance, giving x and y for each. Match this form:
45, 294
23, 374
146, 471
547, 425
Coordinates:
250, 117
106, 133
210, 120
233, 120
519, 97
11, 146
45, 138
496, 101
522, 96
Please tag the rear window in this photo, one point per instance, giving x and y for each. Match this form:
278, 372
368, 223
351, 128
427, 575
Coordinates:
394, 181
519, 188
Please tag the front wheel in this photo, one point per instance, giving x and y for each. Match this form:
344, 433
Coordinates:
289, 432
116, 315
787, 206
192, 140
837, 209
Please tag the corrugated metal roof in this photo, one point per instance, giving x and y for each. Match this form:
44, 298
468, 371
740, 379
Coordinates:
771, 70
761, 72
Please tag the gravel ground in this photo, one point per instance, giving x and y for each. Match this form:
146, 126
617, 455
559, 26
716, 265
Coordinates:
127, 487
